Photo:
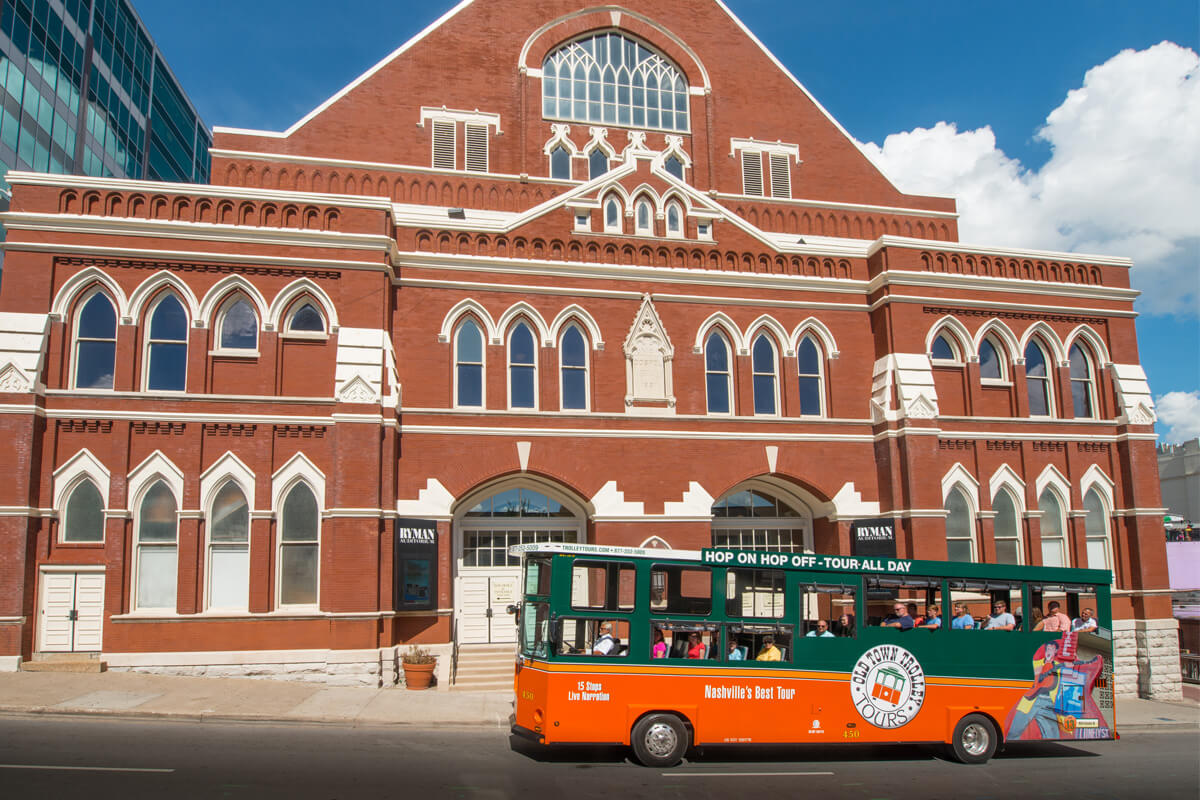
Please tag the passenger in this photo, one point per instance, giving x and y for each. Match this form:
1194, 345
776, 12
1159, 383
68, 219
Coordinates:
659, 648
1055, 621
735, 652
1037, 619
847, 625
1000, 620
822, 630
933, 618
696, 648
605, 643
916, 618
899, 618
962, 620
769, 651
1085, 623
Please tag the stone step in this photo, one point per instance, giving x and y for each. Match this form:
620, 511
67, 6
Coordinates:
471, 685
477, 671
89, 665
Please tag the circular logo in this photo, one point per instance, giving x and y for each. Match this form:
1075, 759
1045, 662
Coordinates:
887, 686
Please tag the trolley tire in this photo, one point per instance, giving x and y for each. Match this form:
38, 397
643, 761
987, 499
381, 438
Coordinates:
975, 740
660, 740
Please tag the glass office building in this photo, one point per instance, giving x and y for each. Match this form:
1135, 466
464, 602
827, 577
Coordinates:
85, 91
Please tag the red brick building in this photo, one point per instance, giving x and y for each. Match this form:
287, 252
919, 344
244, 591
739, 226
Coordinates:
605, 274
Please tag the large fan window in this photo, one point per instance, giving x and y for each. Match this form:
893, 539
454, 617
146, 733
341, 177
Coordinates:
610, 79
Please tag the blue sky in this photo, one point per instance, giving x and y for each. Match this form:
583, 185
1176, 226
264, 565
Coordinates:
993, 71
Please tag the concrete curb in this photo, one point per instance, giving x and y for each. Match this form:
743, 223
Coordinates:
215, 716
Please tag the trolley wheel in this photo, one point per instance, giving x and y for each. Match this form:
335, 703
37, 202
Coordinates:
975, 740
660, 740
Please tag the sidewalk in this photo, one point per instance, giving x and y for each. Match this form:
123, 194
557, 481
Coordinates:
129, 694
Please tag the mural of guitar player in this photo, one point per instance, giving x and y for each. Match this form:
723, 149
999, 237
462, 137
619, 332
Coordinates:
1059, 704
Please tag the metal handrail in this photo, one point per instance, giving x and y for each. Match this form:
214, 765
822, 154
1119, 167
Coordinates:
1190, 665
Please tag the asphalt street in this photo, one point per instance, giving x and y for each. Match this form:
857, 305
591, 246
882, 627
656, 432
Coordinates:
68, 756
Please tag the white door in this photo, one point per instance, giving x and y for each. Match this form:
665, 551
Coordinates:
483, 616
72, 611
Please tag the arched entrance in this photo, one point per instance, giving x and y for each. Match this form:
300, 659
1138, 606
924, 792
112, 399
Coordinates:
759, 516
487, 523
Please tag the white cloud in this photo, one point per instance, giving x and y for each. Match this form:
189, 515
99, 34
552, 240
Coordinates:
1123, 177
1179, 414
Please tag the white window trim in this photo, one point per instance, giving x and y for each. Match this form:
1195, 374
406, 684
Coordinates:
750, 159
1064, 510
780, 160
209, 544
219, 323
1106, 515
294, 307
774, 373
1006, 490
1089, 359
442, 125
729, 364
147, 342
74, 365
619, 227
533, 334
483, 344
972, 518
468, 129
282, 496
587, 371
1047, 381
475, 117
68, 491
956, 360
135, 573
638, 205
678, 208
822, 355
1005, 378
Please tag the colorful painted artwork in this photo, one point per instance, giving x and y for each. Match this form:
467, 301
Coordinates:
1060, 703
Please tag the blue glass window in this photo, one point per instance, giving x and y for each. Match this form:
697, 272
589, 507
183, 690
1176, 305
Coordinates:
942, 349
167, 354
763, 358
239, 327
674, 166
522, 371
84, 517
1037, 380
560, 164
674, 220
808, 361
612, 215
609, 79
468, 364
989, 361
597, 163
307, 320
96, 344
1081, 383
643, 217
574, 370
716, 374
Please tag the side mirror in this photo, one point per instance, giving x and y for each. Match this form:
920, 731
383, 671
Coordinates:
513, 608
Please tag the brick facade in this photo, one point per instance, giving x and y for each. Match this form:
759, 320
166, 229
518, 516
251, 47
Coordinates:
345, 212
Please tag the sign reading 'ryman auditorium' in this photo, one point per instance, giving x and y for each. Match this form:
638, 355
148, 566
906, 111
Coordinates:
873, 537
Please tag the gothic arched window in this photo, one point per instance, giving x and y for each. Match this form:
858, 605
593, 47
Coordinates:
96, 344
608, 78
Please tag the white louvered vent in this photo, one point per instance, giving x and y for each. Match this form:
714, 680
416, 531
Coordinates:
781, 176
752, 177
443, 144
477, 148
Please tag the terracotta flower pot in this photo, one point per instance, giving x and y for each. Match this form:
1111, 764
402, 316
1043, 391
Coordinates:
418, 676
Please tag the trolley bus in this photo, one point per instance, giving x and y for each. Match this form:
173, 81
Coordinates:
665, 649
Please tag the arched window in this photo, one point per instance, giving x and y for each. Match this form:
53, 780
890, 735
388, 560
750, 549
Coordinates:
239, 326
560, 163
751, 519
468, 365
306, 319
1082, 383
612, 215
1037, 380
1054, 551
674, 220
645, 218
299, 548
573, 360
83, 517
1099, 541
597, 163
812, 391
229, 549
990, 366
522, 368
960, 527
96, 344
512, 516
608, 78
717, 376
762, 357
943, 349
157, 550
1007, 529
674, 166
166, 349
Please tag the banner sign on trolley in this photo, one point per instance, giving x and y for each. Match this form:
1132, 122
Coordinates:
755, 558
416, 561
873, 537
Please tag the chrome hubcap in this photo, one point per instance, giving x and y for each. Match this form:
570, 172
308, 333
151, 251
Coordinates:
975, 739
661, 739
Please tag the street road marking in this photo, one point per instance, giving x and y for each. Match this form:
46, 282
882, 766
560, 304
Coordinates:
84, 769
738, 774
